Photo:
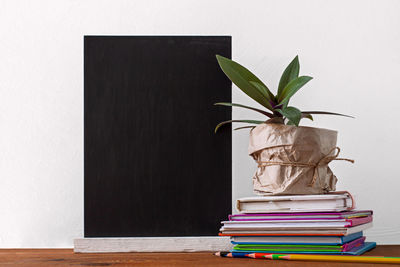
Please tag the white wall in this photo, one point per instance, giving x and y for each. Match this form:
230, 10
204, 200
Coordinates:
350, 47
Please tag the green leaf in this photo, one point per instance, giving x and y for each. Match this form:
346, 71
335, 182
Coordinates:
307, 116
262, 88
292, 114
270, 115
244, 127
230, 121
326, 113
292, 87
241, 77
291, 72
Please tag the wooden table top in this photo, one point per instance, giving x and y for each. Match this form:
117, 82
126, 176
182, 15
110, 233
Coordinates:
66, 257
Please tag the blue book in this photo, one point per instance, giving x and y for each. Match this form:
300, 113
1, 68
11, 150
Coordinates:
295, 240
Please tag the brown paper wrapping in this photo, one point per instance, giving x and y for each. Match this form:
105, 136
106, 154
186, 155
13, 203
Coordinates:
283, 148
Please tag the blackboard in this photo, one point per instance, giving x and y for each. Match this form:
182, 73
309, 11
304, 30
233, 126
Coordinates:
152, 163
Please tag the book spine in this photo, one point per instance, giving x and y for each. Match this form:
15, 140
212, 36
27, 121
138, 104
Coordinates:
358, 221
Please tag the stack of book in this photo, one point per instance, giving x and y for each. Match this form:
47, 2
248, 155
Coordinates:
299, 224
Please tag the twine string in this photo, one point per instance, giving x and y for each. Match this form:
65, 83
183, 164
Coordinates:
323, 161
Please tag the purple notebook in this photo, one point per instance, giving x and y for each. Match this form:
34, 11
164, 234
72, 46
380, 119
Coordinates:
300, 215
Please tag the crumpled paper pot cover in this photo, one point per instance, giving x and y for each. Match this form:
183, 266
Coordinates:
293, 160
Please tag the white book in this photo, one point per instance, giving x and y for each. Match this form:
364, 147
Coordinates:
331, 240
332, 202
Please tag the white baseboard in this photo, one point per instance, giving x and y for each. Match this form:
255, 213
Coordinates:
152, 244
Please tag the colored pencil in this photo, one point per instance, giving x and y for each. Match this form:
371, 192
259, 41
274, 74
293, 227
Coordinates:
228, 254
364, 259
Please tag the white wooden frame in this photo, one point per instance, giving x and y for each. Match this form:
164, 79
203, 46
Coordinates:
152, 244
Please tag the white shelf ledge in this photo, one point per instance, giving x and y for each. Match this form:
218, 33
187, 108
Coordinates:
152, 244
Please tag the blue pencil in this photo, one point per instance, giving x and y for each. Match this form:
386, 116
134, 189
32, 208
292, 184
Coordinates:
232, 254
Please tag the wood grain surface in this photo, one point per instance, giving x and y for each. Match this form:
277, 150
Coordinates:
66, 257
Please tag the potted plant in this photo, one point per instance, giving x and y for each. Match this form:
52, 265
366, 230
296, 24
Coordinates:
291, 159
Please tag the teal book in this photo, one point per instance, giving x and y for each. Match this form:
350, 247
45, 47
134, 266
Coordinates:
295, 240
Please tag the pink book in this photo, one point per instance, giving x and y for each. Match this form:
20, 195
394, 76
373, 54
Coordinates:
355, 243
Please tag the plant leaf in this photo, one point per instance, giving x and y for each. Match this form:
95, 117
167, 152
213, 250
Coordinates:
261, 87
307, 116
291, 72
241, 76
292, 114
270, 115
244, 127
292, 87
226, 122
326, 113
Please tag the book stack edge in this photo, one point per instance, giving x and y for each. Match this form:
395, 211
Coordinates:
299, 224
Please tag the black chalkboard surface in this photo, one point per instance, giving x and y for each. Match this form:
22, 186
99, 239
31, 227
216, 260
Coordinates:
152, 163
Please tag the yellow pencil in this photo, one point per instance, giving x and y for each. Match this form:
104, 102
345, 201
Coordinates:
296, 257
